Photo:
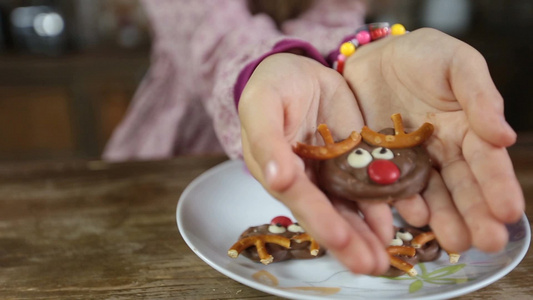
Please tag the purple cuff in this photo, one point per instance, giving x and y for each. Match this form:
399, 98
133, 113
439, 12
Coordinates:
288, 45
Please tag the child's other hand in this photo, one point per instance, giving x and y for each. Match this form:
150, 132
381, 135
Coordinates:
429, 76
284, 100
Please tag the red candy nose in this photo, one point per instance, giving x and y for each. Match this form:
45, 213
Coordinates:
383, 171
282, 221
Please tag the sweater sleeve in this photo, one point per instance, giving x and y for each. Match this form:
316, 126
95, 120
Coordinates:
180, 107
186, 103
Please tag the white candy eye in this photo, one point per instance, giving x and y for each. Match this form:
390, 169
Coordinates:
359, 158
382, 153
276, 228
404, 235
295, 228
396, 242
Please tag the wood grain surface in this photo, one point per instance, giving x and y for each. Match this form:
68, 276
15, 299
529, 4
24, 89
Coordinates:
92, 230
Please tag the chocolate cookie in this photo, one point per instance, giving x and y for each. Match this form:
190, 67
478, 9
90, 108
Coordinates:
373, 166
368, 172
411, 245
278, 241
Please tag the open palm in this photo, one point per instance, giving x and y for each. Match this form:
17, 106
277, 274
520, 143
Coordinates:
428, 76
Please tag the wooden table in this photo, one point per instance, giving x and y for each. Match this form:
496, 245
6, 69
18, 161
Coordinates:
83, 230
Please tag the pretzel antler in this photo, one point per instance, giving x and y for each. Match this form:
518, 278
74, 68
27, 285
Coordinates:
400, 139
314, 247
259, 242
331, 149
399, 263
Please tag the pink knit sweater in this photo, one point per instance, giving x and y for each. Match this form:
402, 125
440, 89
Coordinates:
185, 104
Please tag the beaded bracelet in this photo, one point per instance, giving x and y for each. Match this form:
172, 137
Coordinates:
364, 35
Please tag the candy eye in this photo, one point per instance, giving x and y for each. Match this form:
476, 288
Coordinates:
396, 242
382, 153
404, 235
359, 158
295, 228
276, 228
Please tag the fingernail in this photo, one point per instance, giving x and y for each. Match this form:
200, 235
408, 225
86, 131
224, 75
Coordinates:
271, 171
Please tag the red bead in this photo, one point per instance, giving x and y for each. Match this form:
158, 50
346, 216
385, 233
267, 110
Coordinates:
281, 220
341, 59
379, 33
383, 171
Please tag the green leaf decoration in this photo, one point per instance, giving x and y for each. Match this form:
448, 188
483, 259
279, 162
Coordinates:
445, 271
415, 286
423, 269
446, 280
435, 277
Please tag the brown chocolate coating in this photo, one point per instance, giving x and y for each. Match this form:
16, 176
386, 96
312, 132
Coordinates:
297, 250
428, 252
339, 179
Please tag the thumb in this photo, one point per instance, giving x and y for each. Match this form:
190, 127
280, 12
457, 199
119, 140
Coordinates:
271, 160
267, 152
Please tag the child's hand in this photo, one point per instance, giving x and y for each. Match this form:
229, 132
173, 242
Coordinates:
284, 100
428, 76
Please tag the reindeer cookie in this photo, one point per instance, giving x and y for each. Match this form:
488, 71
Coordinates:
382, 166
411, 246
284, 240
278, 241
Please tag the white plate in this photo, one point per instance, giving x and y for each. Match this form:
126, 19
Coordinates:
224, 201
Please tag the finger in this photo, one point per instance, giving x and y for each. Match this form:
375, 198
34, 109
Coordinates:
350, 212
488, 234
445, 221
317, 215
494, 172
378, 216
474, 89
274, 178
266, 151
413, 210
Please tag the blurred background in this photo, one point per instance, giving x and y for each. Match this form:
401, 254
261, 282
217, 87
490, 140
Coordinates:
69, 68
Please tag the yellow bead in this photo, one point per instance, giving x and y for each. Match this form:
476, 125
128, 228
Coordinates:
397, 29
347, 49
